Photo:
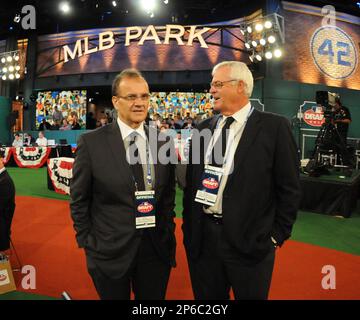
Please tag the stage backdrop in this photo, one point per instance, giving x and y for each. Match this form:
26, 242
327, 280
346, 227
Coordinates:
222, 45
318, 52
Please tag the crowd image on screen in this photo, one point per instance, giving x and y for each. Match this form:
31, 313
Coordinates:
53, 107
179, 110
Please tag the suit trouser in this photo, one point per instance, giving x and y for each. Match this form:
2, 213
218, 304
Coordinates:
219, 268
147, 277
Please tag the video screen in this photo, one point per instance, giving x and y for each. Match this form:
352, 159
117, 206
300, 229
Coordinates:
171, 103
57, 106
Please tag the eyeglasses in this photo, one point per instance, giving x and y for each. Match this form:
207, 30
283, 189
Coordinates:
133, 97
220, 84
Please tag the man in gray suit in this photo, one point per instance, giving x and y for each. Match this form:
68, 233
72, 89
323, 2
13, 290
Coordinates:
123, 210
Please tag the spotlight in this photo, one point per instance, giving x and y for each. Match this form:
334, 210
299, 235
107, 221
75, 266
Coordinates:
262, 41
247, 45
17, 76
271, 39
11, 69
3, 60
64, 7
267, 24
3, 77
17, 68
277, 53
152, 15
9, 58
249, 29
16, 58
11, 76
258, 57
166, 1
148, 5
17, 18
268, 55
251, 58
242, 32
259, 27
114, 3
254, 43
4, 70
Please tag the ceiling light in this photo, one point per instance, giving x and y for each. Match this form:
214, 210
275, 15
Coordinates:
249, 29
9, 58
254, 43
3, 77
258, 57
114, 3
17, 18
271, 39
267, 24
17, 76
17, 68
11, 76
16, 58
259, 27
64, 7
262, 42
148, 5
268, 55
247, 45
3, 60
4, 70
277, 53
11, 68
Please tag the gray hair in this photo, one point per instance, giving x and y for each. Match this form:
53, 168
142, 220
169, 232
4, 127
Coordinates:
126, 73
238, 71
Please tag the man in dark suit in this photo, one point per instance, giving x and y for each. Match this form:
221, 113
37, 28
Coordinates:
123, 211
241, 200
7, 205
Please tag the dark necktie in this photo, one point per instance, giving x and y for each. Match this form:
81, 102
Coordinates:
220, 144
135, 164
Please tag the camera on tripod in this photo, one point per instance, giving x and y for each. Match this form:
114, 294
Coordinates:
327, 100
330, 149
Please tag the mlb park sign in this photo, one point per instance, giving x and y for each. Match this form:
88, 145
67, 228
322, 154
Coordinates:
333, 52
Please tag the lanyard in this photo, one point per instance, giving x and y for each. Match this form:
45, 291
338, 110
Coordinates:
208, 154
149, 180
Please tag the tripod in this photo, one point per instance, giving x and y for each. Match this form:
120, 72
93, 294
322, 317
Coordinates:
327, 141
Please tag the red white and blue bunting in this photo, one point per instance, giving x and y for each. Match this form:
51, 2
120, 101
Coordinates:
7, 156
60, 172
31, 157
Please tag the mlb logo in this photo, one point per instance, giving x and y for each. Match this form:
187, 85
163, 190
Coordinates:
7, 282
4, 277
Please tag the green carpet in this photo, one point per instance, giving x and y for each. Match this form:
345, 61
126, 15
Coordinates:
33, 182
16, 295
322, 230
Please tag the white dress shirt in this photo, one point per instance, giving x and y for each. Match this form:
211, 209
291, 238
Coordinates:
236, 130
141, 143
41, 142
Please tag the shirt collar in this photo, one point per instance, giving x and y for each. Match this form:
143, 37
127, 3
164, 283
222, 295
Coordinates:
2, 170
241, 115
126, 130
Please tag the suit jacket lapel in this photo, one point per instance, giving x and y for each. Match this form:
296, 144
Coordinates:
117, 148
249, 134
